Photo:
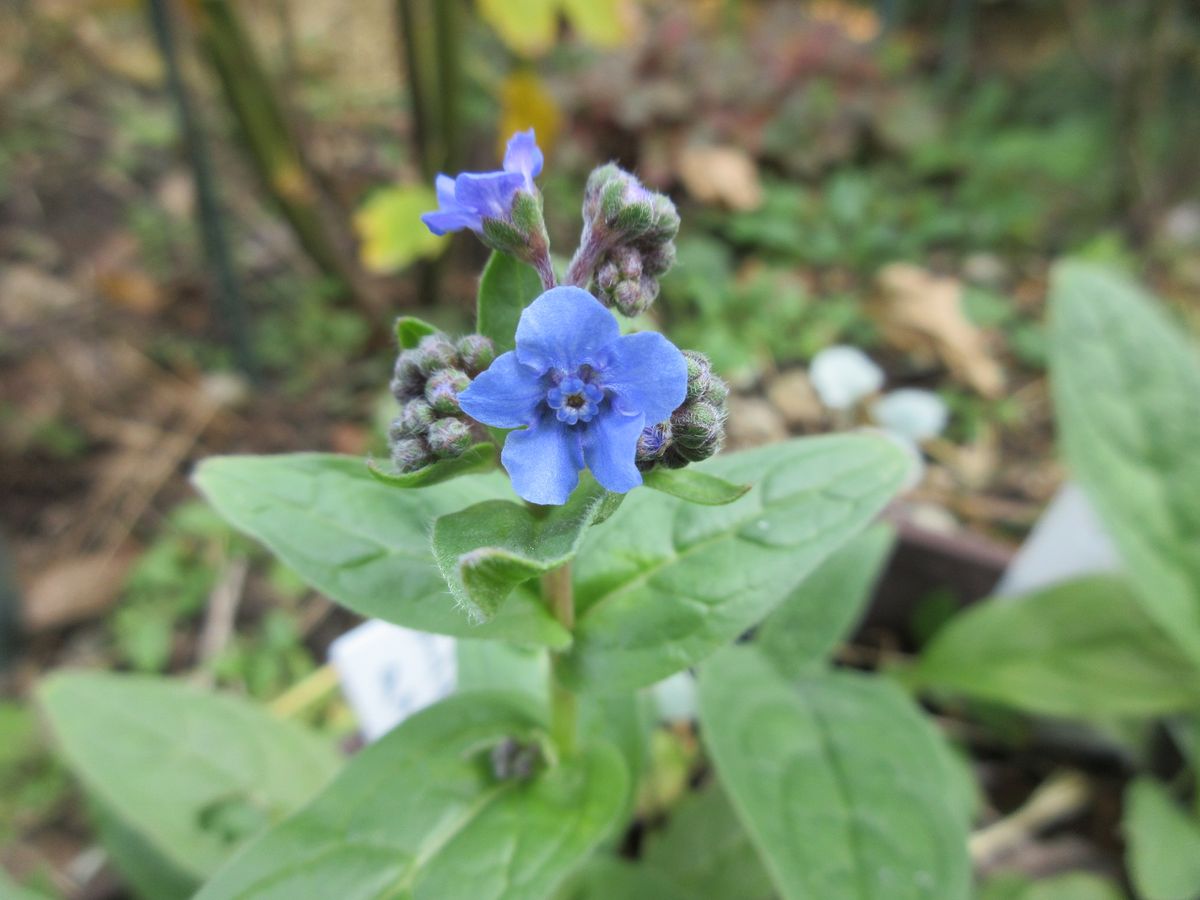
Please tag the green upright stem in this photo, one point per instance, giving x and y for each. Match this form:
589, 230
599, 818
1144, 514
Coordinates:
267, 134
564, 705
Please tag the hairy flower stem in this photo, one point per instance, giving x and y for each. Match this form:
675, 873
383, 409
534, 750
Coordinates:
564, 705
545, 269
586, 258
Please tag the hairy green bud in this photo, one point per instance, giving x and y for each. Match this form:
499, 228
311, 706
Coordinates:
434, 352
443, 388
410, 454
476, 353
449, 437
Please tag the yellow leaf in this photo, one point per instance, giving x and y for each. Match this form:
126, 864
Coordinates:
527, 27
525, 103
606, 23
390, 229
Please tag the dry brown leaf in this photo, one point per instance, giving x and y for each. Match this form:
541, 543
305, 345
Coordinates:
725, 175
792, 394
922, 313
29, 296
74, 590
131, 289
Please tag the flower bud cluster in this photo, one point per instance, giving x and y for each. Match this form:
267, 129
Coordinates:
426, 383
628, 240
696, 429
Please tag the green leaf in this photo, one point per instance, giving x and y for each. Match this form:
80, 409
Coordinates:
1083, 648
391, 231
361, 544
810, 623
694, 486
664, 583
839, 780
606, 878
10, 890
475, 459
145, 868
1068, 886
164, 760
420, 815
483, 665
623, 720
1127, 389
705, 851
1162, 843
486, 550
506, 288
410, 330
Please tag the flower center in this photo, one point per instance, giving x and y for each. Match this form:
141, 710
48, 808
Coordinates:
575, 399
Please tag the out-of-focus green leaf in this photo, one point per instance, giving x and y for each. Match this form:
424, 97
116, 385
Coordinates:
1127, 389
1082, 648
808, 625
1163, 844
409, 331
1068, 886
421, 814
705, 851
185, 775
839, 780
505, 289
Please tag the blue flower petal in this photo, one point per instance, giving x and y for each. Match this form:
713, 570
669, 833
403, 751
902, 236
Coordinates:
445, 221
610, 449
524, 156
444, 185
505, 395
647, 374
488, 194
565, 328
543, 461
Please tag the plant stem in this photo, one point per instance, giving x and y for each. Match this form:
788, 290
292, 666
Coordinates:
564, 705
230, 311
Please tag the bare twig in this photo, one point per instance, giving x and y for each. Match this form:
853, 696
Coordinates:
1060, 797
223, 604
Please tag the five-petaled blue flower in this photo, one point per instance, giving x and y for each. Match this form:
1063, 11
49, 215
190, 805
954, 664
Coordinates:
579, 392
465, 201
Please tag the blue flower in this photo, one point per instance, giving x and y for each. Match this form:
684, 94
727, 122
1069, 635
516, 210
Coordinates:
580, 393
465, 201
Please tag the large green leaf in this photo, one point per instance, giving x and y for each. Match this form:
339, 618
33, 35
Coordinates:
10, 890
1067, 886
143, 866
808, 625
1082, 648
506, 288
613, 878
187, 775
664, 582
420, 814
486, 550
363, 544
705, 851
1162, 844
1127, 391
839, 780
624, 720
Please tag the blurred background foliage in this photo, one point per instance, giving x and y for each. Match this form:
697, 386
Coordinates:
209, 219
